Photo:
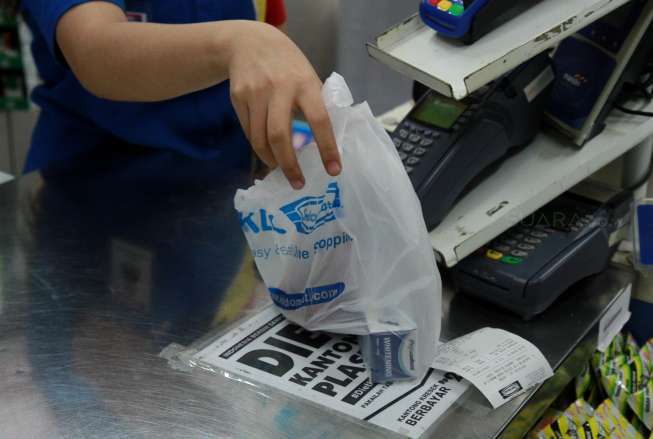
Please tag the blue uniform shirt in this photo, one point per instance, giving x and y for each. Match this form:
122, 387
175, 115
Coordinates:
73, 121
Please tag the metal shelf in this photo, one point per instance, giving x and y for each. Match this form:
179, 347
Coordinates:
453, 69
527, 181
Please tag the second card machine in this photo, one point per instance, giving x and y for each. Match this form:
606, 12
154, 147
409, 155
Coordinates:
445, 144
529, 266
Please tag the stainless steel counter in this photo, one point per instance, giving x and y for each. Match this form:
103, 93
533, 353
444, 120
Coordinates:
103, 268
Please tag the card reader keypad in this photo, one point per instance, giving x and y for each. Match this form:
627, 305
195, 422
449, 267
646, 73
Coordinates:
518, 243
515, 245
415, 141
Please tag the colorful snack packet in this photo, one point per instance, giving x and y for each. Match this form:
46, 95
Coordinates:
570, 423
628, 379
614, 348
638, 425
642, 404
646, 354
549, 416
583, 382
630, 347
614, 422
612, 367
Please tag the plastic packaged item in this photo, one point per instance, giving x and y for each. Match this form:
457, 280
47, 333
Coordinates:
548, 418
570, 424
631, 348
576, 422
614, 422
638, 425
646, 354
628, 379
642, 404
615, 348
583, 382
350, 254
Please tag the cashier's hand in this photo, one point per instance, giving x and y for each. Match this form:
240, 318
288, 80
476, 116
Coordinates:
270, 79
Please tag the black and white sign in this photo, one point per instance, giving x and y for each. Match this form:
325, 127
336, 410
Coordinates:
329, 370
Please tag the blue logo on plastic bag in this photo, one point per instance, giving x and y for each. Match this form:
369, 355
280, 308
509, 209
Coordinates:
310, 213
312, 296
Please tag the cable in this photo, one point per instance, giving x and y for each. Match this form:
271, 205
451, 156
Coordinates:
635, 112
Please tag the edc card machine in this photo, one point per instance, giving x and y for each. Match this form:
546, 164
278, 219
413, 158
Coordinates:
445, 144
526, 268
469, 20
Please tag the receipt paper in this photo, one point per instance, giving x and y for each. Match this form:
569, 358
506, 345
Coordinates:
500, 364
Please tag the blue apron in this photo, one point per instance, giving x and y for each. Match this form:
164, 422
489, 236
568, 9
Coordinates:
73, 122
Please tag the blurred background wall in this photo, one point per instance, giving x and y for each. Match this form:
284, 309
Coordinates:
333, 33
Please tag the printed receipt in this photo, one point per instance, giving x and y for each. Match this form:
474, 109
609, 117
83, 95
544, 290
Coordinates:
500, 364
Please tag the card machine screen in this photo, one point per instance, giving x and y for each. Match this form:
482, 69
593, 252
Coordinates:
439, 111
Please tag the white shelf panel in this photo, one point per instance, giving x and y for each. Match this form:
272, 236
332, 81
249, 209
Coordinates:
529, 180
456, 70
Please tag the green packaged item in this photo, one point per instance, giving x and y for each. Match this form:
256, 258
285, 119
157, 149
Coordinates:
638, 425
570, 423
640, 402
583, 382
614, 348
631, 348
646, 354
549, 416
612, 367
611, 419
626, 380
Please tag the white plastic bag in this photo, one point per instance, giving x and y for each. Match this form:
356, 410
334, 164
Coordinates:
350, 254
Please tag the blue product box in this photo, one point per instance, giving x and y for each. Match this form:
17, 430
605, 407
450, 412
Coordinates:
390, 350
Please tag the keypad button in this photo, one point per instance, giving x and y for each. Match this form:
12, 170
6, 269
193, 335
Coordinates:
436, 135
519, 253
510, 241
502, 248
426, 142
539, 234
531, 240
494, 255
415, 138
517, 235
468, 113
455, 127
427, 132
409, 169
419, 151
397, 141
444, 5
462, 119
407, 147
525, 247
403, 134
511, 260
412, 161
402, 155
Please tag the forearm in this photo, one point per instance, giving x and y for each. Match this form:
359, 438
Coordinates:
149, 62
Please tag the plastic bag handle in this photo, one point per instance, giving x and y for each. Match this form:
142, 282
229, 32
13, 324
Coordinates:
335, 92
